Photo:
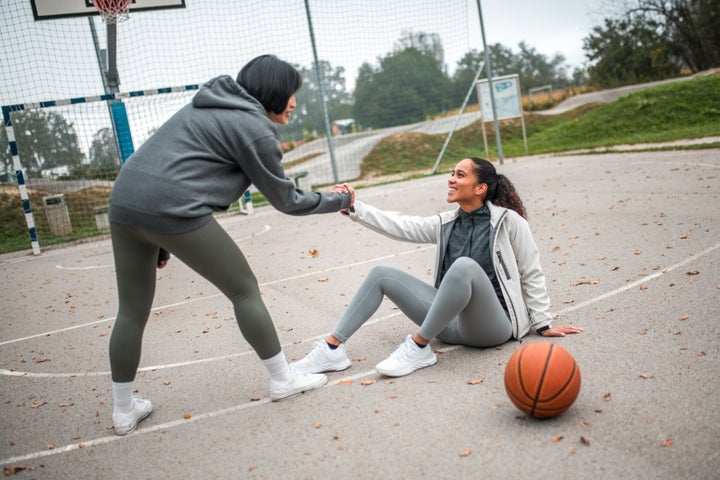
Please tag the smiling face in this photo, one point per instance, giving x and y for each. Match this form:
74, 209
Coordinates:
463, 188
284, 117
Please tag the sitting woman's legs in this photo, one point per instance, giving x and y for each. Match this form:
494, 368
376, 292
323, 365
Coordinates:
466, 310
412, 295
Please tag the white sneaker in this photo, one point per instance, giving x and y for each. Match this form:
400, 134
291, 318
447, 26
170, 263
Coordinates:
298, 383
407, 358
322, 358
126, 422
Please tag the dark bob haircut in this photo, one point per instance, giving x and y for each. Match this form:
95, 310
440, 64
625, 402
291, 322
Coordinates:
270, 81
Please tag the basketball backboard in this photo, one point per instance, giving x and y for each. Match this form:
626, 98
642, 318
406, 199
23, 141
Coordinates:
49, 9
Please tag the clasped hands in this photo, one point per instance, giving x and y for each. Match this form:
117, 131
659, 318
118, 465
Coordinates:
345, 188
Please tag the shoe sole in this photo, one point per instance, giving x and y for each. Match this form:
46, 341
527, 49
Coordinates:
408, 371
333, 367
300, 392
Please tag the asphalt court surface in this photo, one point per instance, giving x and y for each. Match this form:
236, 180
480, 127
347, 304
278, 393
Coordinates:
630, 247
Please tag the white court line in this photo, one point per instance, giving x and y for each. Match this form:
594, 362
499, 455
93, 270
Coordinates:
639, 282
208, 297
243, 406
153, 368
266, 228
92, 267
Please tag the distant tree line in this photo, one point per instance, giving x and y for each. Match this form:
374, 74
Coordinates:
650, 40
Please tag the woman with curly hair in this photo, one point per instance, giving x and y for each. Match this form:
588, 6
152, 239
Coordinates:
489, 285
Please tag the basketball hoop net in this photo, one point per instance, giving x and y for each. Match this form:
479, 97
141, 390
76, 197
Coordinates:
113, 11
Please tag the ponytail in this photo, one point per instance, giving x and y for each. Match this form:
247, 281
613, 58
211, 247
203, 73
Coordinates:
500, 191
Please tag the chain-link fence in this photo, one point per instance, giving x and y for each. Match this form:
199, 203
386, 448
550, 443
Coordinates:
60, 111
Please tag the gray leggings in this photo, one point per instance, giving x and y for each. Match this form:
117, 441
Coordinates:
464, 310
209, 251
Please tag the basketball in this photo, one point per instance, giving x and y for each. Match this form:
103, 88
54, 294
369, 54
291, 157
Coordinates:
542, 379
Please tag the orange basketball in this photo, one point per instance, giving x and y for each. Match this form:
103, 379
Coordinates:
542, 379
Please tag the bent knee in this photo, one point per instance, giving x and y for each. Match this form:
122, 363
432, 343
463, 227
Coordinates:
463, 266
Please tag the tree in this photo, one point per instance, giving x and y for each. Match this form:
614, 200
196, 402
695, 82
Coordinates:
629, 50
45, 140
104, 156
309, 115
533, 68
692, 25
536, 70
409, 85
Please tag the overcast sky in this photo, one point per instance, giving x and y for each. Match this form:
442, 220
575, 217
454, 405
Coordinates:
550, 26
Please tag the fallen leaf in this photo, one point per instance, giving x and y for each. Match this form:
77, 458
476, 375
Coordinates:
255, 399
13, 470
187, 416
614, 268
667, 442
313, 253
38, 404
476, 381
643, 287
345, 382
637, 252
557, 438
166, 382
317, 425
585, 282
465, 453
693, 272
607, 397
585, 441
646, 376
368, 382
684, 317
65, 404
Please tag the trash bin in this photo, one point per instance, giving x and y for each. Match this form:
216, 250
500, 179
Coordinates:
102, 221
57, 215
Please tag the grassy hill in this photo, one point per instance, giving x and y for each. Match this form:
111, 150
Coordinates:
674, 111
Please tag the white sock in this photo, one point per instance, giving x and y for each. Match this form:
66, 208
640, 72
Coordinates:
123, 396
278, 367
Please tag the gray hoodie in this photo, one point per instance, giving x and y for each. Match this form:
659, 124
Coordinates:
202, 160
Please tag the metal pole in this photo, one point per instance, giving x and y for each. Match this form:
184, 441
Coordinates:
113, 79
102, 65
490, 85
328, 131
457, 119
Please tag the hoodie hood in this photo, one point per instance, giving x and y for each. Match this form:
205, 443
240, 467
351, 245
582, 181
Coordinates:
225, 92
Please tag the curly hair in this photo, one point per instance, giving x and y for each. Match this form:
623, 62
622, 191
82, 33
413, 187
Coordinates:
500, 191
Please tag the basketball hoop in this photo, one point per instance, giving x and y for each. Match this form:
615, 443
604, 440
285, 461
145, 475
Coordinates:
113, 11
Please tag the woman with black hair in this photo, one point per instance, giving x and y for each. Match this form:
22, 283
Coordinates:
199, 162
489, 286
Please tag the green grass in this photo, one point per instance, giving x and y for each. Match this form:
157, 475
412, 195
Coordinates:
674, 111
